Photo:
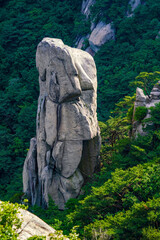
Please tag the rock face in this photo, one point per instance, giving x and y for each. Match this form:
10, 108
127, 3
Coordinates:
101, 34
145, 101
66, 148
33, 225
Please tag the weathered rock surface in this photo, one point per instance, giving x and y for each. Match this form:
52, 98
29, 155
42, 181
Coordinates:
66, 148
101, 34
145, 101
33, 225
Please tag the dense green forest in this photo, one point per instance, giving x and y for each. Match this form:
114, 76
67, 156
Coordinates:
123, 200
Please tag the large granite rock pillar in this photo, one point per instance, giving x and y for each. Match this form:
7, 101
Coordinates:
65, 151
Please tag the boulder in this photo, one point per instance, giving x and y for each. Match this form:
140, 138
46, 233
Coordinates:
144, 101
67, 142
33, 225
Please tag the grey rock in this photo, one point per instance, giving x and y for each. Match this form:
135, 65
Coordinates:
71, 158
33, 225
101, 34
155, 93
30, 177
79, 44
51, 122
145, 101
67, 126
86, 4
140, 97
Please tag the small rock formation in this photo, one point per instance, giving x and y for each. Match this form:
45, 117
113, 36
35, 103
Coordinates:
100, 32
33, 225
145, 101
100, 35
65, 151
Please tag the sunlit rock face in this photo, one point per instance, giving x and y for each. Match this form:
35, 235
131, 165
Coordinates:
65, 151
145, 101
33, 225
100, 32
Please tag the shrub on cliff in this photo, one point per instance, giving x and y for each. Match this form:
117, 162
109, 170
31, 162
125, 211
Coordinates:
9, 221
140, 113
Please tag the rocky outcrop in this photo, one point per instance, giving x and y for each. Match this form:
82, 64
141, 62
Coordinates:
86, 4
145, 101
100, 32
100, 35
33, 225
66, 148
141, 99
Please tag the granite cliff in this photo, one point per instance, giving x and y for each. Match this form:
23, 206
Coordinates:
65, 151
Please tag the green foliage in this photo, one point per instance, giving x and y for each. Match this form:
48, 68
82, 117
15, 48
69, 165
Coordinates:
136, 223
146, 81
23, 25
135, 50
47, 214
151, 233
59, 235
155, 117
130, 113
9, 221
122, 201
37, 238
125, 188
140, 113
109, 10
